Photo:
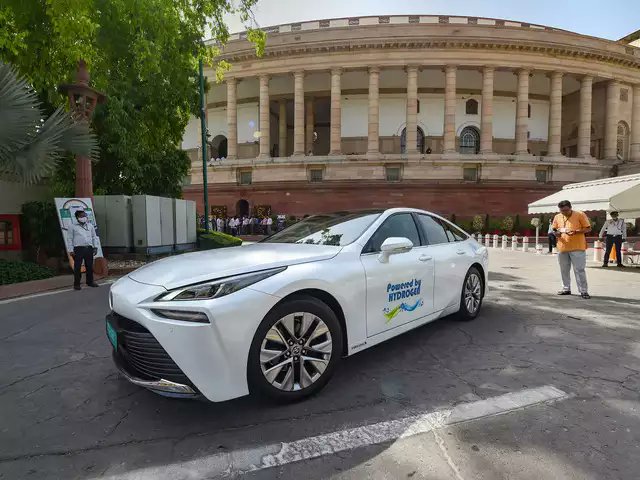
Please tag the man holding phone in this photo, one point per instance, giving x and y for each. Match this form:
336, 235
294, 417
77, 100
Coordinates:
570, 227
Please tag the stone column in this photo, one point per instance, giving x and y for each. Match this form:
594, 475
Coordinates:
634, 151
264, 117
611, 122
522, 113
232, 119
282, 129
298, 114
373, 147
335, 141
310, 127
486, 119
584, 126
554, 139
450, 109
412, 110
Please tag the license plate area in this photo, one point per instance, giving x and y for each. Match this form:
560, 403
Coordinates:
112, 335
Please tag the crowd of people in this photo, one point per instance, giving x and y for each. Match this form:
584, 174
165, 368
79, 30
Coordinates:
242, 225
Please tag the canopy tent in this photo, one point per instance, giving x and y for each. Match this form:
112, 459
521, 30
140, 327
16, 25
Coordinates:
621, 194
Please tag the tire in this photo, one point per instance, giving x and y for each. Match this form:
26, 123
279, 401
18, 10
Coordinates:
470, 307
307, 367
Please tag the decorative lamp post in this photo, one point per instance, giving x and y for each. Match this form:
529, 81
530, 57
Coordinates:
82, 100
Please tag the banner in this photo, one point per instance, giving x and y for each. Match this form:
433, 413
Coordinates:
67, 208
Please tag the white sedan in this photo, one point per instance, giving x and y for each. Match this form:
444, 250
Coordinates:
276, 317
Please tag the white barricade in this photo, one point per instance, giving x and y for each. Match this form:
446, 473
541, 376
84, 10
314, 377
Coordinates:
539, 249
598, 251
505, 242
487, 240
495, 241
525, 244
514, 243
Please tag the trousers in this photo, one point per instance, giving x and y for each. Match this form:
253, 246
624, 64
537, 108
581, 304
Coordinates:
612, 240
82, 254
577, 259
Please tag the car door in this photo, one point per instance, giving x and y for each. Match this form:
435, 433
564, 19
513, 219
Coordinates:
448, 260
399, 290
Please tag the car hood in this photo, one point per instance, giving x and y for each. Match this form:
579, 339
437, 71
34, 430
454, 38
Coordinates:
190, 268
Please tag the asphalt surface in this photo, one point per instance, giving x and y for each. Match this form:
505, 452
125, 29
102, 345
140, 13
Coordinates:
66, 413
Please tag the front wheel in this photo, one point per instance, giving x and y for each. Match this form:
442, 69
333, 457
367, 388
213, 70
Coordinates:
471, 296
295, 350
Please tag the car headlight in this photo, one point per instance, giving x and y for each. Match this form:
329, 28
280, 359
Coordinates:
217, 288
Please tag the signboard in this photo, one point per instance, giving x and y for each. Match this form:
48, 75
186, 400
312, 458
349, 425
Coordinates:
67, 208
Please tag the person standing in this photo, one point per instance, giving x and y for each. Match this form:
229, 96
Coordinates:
220, 224
570, 227
269, 225
616, 233
84, 245
552, 237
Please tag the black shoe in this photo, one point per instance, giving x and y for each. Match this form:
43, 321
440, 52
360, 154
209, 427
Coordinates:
605, 265
564, 292
94, 285
621, 266
585, 295
77, 287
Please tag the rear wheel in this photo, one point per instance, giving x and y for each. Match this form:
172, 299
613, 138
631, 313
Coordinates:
471, 295
295, 350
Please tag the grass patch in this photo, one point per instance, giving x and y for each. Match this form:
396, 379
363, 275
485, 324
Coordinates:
15, 272
207, 241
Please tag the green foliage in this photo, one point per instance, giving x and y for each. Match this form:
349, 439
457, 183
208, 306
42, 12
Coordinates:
211, 240
477, 224
143, 55
41, 229
507, 223
14, 272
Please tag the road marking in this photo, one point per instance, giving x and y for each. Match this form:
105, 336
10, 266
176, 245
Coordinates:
43, 294
280, 454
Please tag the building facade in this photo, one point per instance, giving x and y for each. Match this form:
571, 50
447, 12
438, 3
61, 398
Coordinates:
458, 115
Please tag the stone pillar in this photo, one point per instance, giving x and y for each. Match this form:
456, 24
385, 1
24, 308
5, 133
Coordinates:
486, 120
335, 141
412, 110
611, 122
554, 139
522, 113
264, 117
373, 147
310, 126
584, 126
634, 151
298, 114
282, 129
450, 109
232, 119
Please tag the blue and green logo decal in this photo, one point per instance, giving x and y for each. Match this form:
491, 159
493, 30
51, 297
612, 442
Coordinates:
401, 291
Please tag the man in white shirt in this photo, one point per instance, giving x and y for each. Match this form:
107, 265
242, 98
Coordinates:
245, 226
83, 242
220, 224
269, 224
616, 233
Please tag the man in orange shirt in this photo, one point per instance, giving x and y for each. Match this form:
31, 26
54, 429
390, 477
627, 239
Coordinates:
570, 227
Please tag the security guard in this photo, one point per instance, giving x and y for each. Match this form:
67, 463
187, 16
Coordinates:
83, 240
616, 233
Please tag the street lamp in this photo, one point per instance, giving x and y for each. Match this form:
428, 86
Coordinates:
82, 100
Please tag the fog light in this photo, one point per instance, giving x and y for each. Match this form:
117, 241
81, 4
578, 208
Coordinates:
182, 315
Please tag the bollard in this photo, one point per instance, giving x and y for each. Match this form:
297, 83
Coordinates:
525, 244
495, 240
505, 241
539, 249
487, 240
514, 243
555, 250
623, 251
598, 253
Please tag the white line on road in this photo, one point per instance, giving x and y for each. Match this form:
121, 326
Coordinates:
280, 454
43, 294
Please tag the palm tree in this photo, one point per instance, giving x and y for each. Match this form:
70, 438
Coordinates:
30, 144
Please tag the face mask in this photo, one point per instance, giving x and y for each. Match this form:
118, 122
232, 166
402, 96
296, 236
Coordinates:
82, 220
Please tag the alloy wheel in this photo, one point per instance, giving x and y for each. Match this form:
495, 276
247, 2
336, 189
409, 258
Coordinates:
472, 293
295, 351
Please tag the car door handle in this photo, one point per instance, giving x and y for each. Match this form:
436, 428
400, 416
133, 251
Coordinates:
460, 252
424, 258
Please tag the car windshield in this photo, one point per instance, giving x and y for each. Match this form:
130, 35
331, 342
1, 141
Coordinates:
337, 229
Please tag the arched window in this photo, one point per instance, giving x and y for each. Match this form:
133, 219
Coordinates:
419, 139
470, 140
622, 147
471, 107
218, 147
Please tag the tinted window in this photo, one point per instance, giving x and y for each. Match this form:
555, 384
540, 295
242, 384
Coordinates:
330, 229
433, 230
454, 233
400, 225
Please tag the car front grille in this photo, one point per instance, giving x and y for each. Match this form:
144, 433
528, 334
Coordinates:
139, 350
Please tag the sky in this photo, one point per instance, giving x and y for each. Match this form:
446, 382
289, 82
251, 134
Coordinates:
612, 19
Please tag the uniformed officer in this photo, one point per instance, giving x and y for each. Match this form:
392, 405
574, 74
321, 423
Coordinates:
614, 232
83, 240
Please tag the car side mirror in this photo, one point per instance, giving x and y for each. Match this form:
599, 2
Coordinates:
392, 246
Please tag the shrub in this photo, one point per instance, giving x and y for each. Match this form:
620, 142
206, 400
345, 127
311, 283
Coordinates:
212, 240
507, 224
14, 272
41, 230
478, 223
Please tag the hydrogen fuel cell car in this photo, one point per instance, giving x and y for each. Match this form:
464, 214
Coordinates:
276, 317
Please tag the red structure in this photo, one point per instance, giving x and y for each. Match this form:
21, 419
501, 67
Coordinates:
82, 100
10, 232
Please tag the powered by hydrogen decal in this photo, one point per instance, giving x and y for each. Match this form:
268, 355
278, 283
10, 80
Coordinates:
406, 291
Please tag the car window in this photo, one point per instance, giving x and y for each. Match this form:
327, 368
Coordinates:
454, 233
399, 225
433, 230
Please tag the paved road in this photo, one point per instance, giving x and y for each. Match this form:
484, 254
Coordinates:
65, 412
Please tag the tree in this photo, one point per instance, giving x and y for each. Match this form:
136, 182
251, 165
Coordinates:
143, 55
30, 143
